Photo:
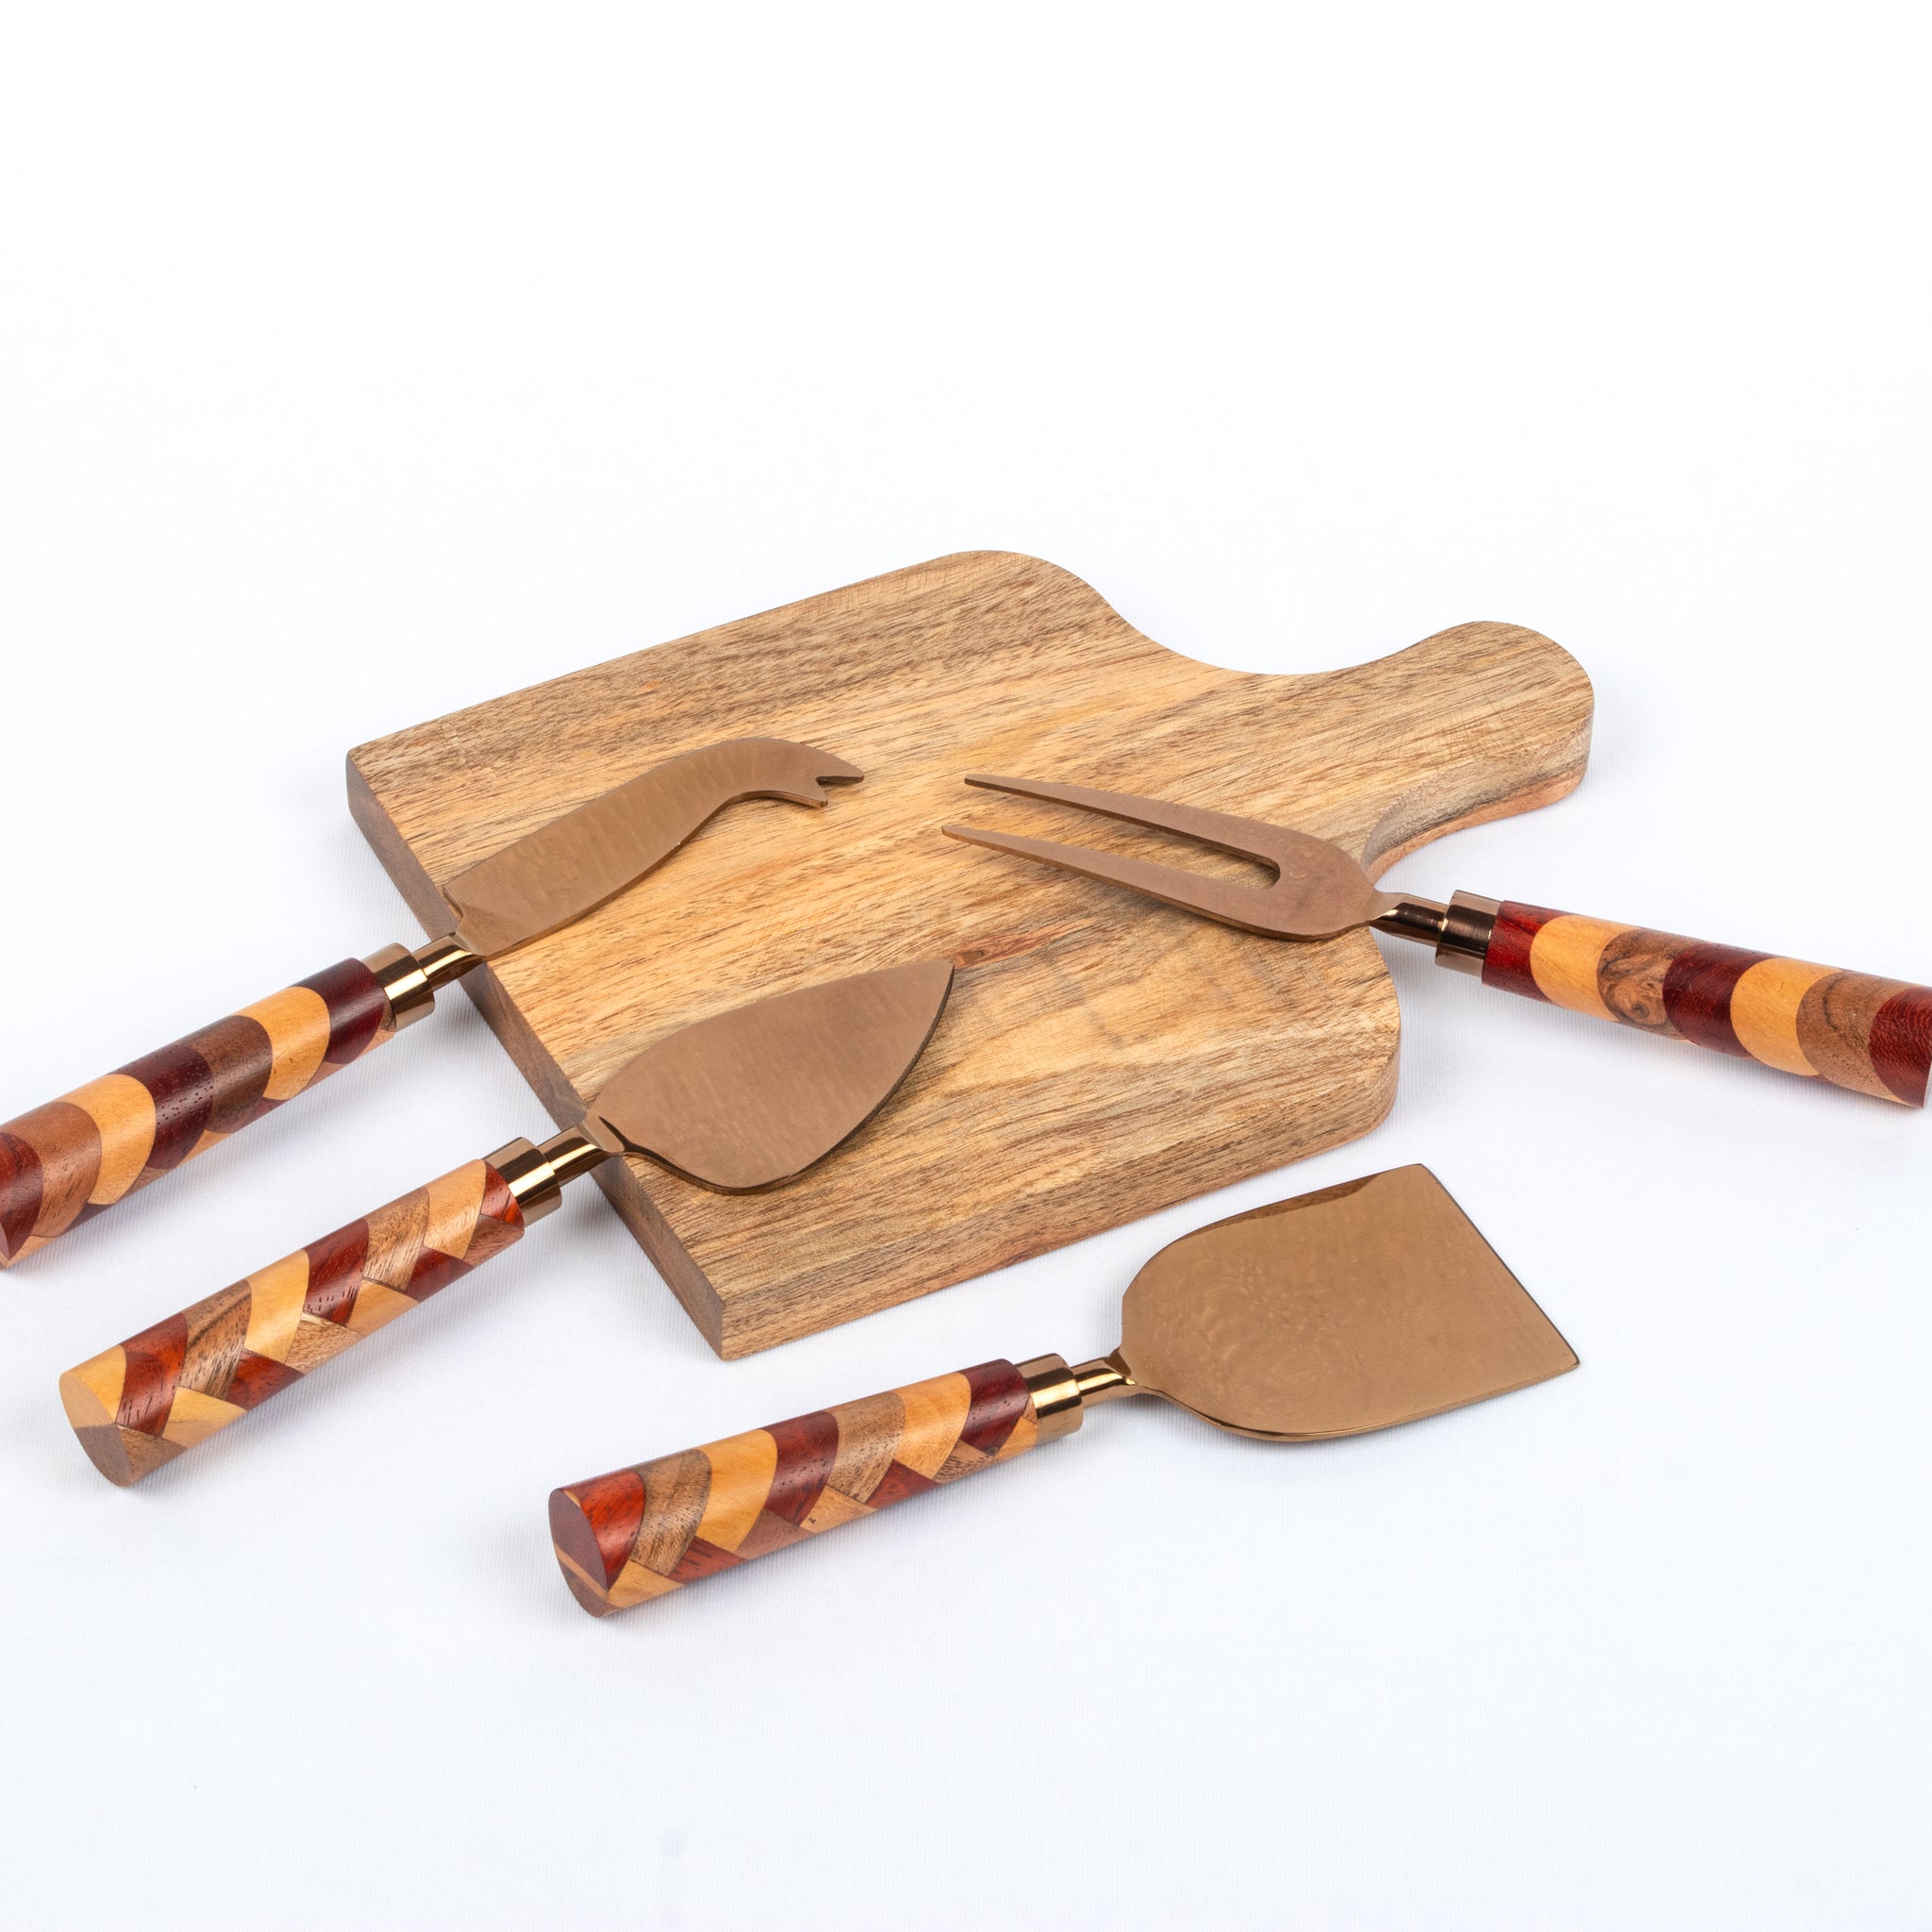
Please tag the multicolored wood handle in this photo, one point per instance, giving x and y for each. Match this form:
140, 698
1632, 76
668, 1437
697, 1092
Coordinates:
174, 1384
1850, 1028
641, 1532
63, 1163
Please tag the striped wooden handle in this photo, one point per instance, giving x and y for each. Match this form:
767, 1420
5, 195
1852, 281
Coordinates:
1850, 1028
641, 1532
63, 1163
172, 1386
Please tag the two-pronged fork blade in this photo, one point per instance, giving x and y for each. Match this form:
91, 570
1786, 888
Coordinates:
1852, 1029
1318, 891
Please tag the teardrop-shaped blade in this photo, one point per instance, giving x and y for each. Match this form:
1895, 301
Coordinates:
749, 1098
1352, 1309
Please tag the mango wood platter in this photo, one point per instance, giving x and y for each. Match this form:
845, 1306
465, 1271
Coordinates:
1101, 1056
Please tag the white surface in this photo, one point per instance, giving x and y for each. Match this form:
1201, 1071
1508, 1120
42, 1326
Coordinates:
361, 363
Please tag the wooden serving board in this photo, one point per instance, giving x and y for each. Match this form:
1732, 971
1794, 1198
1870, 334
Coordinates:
1102, 1056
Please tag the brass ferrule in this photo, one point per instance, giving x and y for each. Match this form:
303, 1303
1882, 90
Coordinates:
1467, 930
408, 980
1414, 919
536, 1175
1060, 1394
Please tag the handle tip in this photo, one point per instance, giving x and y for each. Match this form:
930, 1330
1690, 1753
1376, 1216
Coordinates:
94, 1426
574, 1539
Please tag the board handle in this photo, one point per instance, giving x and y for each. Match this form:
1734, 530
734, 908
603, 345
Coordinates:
1854, 1029
139, 1406
640, 1533
65, 1162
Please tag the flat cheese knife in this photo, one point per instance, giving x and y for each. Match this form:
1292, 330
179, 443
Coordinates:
1353, 1308
62, 1164
737, 1102
1852, 1029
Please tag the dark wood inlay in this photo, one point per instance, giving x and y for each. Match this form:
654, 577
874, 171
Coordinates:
1506, 965
1698, 985
701, 1559
358, 1008
606, 1512
182, 1087
999, 1400
20, 1194
154, 1368
807, 1445
897, 1484
255, 1378
241, 1056
1901, 1043
335, 1271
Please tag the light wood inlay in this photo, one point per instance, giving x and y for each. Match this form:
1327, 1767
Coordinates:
61, 1162
1104, 1056
934, 1412
741, 1470
1764, 1010
296, 1023
123, 1112
137, 1406
1564, 958
97, 1385
275, 1304
375, 1308
1854, 1029
638, 1532
193, 1418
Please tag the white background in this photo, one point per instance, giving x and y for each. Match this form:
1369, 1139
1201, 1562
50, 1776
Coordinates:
360, 363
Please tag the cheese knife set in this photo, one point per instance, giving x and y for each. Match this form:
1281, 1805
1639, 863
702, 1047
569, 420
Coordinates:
1350, 1309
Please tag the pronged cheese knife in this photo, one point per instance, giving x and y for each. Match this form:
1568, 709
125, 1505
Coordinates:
1354, 1308
66, 1161
741, 1101
1852, 1029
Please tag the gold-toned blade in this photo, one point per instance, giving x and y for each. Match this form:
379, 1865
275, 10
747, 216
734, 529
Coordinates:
1352, 1309
1318, 891
572, 865
751, 1097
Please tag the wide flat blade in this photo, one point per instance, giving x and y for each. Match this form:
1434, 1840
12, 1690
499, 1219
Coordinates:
572, 865
751, 1097
1347, 1310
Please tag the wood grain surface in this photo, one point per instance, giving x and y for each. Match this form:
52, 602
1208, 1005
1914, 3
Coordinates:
140, 1404
65, 1162
1854, 1029
639, 1533
1101, 1056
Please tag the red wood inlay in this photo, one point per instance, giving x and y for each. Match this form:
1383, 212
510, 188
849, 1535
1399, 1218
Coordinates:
807, 1445
255, 1378
335, 1271
999, 1400
240, 1056
897, 1484
434, 1270
702, 1560
357, 1009
1902, 1043
1697, 994
499, 1204
612, 1510
1507, 962
20, 1194
154, 1368
182, 1086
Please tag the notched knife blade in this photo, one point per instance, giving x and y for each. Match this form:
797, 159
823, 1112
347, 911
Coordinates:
569, 867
